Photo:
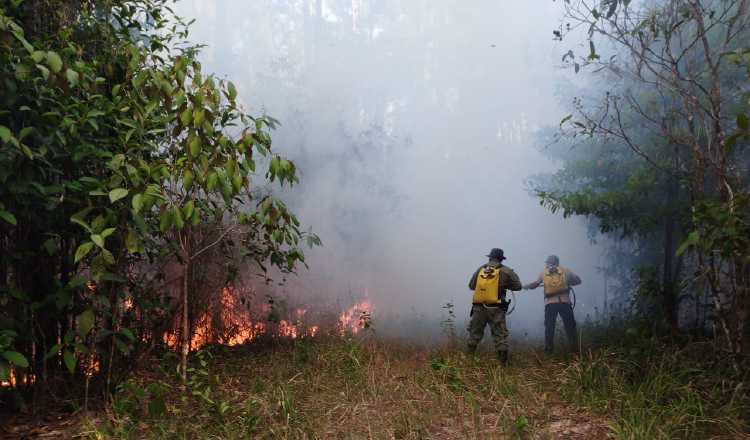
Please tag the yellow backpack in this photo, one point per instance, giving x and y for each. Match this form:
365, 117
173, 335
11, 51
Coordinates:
555, 282
488, 282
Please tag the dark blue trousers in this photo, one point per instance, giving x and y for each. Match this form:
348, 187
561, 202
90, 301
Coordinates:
565, 310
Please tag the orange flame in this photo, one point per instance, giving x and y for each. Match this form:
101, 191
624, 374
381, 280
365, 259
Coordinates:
244, 329
15, 379
356, 317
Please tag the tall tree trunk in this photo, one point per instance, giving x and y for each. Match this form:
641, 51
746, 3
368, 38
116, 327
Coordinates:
669, 301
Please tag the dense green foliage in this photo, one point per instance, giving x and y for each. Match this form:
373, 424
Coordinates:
119, 157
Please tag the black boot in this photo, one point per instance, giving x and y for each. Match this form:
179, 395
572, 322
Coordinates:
503, 356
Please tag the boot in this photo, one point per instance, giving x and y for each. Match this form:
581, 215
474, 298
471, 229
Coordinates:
503, 356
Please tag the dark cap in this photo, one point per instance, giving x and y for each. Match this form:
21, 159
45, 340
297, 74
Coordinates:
496, 254
552, 260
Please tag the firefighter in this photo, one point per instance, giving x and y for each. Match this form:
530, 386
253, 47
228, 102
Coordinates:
489, 304
557, 282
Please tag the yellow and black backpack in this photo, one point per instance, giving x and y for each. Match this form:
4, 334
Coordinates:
487, 288
555, 282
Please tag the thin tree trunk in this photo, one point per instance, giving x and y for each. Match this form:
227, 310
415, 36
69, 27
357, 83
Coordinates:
185, 333
668, 280
185, 339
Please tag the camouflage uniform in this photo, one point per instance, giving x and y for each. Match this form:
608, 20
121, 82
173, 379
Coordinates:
481, 314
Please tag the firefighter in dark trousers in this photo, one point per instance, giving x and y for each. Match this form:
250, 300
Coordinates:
489, 304
557, 281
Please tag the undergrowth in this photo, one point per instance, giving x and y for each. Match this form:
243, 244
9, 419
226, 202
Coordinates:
659, 388
637, 388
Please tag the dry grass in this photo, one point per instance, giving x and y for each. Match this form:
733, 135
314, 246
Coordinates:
364, 389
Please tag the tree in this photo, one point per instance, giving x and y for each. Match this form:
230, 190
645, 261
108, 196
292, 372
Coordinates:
680, 86
118, 154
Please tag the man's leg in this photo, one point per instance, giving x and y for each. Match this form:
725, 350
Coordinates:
499, 331
569, 321
550, 316
476, 327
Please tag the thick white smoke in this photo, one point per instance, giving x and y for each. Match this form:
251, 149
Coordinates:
413, 124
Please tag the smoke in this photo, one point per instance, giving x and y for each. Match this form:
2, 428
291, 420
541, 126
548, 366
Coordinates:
413, 124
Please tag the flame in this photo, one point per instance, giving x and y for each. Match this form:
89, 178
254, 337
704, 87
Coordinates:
356, 317
94, 366
15, 379
243, 328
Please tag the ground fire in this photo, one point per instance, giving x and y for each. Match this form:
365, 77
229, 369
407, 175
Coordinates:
237, 325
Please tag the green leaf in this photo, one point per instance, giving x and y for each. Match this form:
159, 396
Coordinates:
83, 250
70, 361
5, 134
186, 117
98, 239
188, 209
80, 222
8, 217
54, 61
128, 334
72, 77
232, 90
198, 117
165, 220
107, 232
22, 72
137, 202
44, 70
38, 56
157, 407
592, 51
117, 194
108, 257
25, 132
27, 151
54, 351
211, 181
187, 179
16, 358
131, 242
195, 146
237, 182
691, 240
50, 245
179, 221
19, 36
742, 121
86, 322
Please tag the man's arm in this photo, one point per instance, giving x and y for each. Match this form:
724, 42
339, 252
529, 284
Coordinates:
535, 284
573, 279
512, 280
473, 280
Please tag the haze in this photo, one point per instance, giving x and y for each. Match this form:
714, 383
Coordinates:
413, 124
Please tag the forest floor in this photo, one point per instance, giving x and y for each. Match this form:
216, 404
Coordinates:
345, 388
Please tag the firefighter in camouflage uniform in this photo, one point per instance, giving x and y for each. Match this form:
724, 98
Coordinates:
489, 303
